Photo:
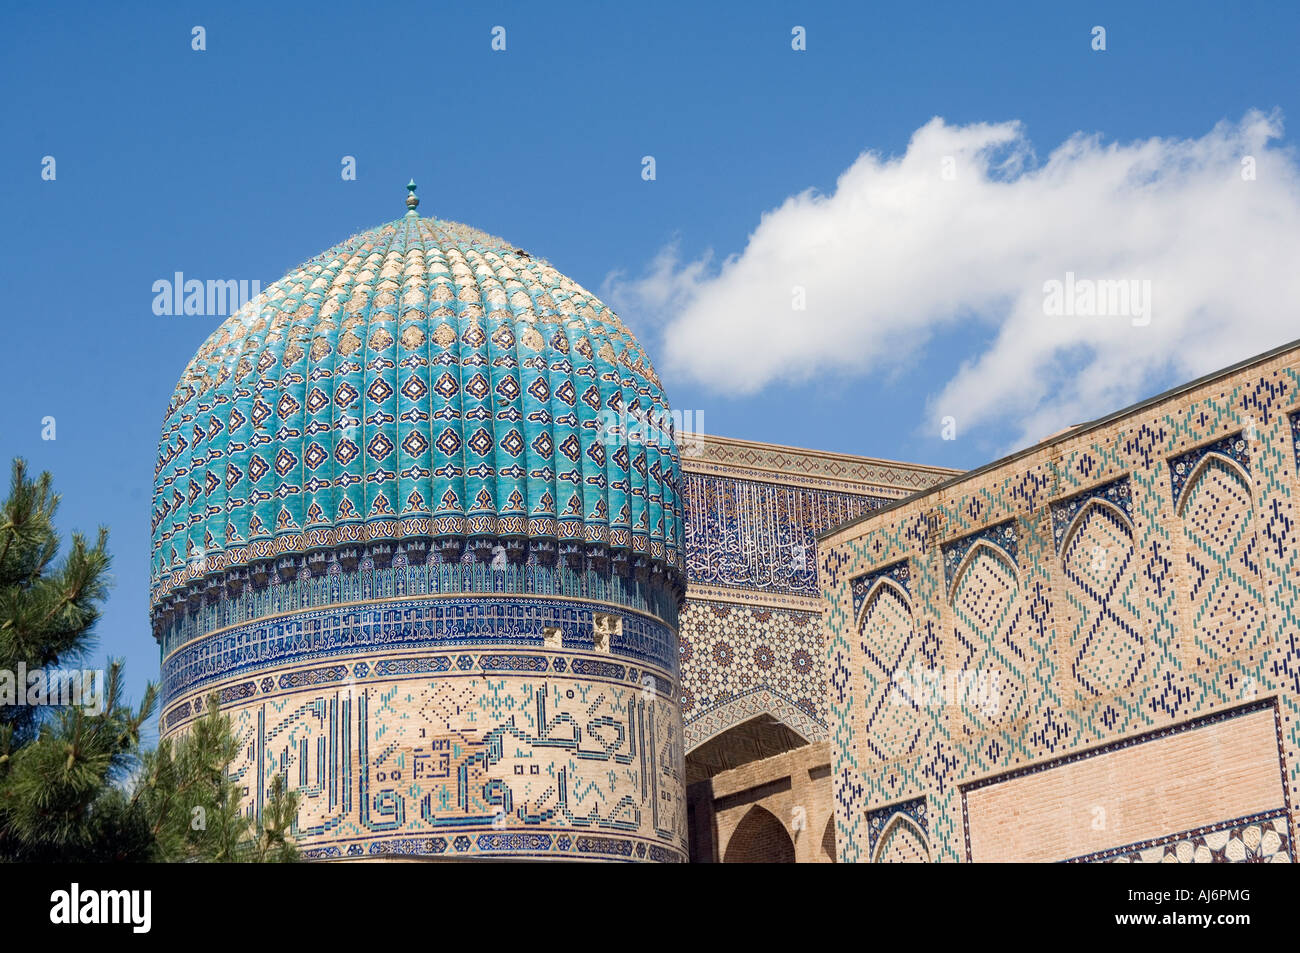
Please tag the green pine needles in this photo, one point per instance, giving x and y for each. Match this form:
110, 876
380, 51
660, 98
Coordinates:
187, 791
75, 784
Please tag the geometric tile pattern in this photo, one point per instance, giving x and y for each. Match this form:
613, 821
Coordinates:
395, 533
1003, 536
732, 655
902, 844
992, 633
862, 585
752, 704
1222, 569
1101, 610
473, 754
914, 810
1117, 493
892, 651
769, 462
1180, 602
750, 632
898, 833
1263, 839
420, 380
1184, 467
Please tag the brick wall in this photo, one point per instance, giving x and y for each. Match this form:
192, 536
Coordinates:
1090, 596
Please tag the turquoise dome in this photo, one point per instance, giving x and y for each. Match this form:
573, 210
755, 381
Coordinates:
425, 387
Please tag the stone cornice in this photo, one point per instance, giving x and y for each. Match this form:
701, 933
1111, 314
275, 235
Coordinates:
744, 459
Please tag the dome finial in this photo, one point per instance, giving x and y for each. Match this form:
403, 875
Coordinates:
412, 200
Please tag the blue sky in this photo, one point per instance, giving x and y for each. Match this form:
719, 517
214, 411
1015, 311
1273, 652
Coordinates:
226, 163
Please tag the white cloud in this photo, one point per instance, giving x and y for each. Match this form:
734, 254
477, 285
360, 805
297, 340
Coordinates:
899, 255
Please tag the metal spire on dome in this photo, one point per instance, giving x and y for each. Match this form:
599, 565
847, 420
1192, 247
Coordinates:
412, 200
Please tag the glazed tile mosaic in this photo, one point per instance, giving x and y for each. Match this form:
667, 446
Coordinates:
731, 652
749, 535
509, 754
1258, 840
422, 379
395, 533
898, 833
750, 637
1154, 578
464, 617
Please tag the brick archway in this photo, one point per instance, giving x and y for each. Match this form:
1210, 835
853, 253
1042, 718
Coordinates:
759, 838
759, 776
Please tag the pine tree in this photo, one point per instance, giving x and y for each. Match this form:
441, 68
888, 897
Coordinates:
59, 766
74, 783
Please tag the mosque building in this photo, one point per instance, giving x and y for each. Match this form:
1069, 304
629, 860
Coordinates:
466, 617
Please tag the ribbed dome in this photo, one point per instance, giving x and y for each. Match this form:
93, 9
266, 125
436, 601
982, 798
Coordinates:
422, 383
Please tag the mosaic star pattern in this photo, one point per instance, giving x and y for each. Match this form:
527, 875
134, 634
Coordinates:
733, 655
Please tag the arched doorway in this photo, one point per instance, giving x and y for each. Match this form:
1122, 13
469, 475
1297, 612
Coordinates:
759, 838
